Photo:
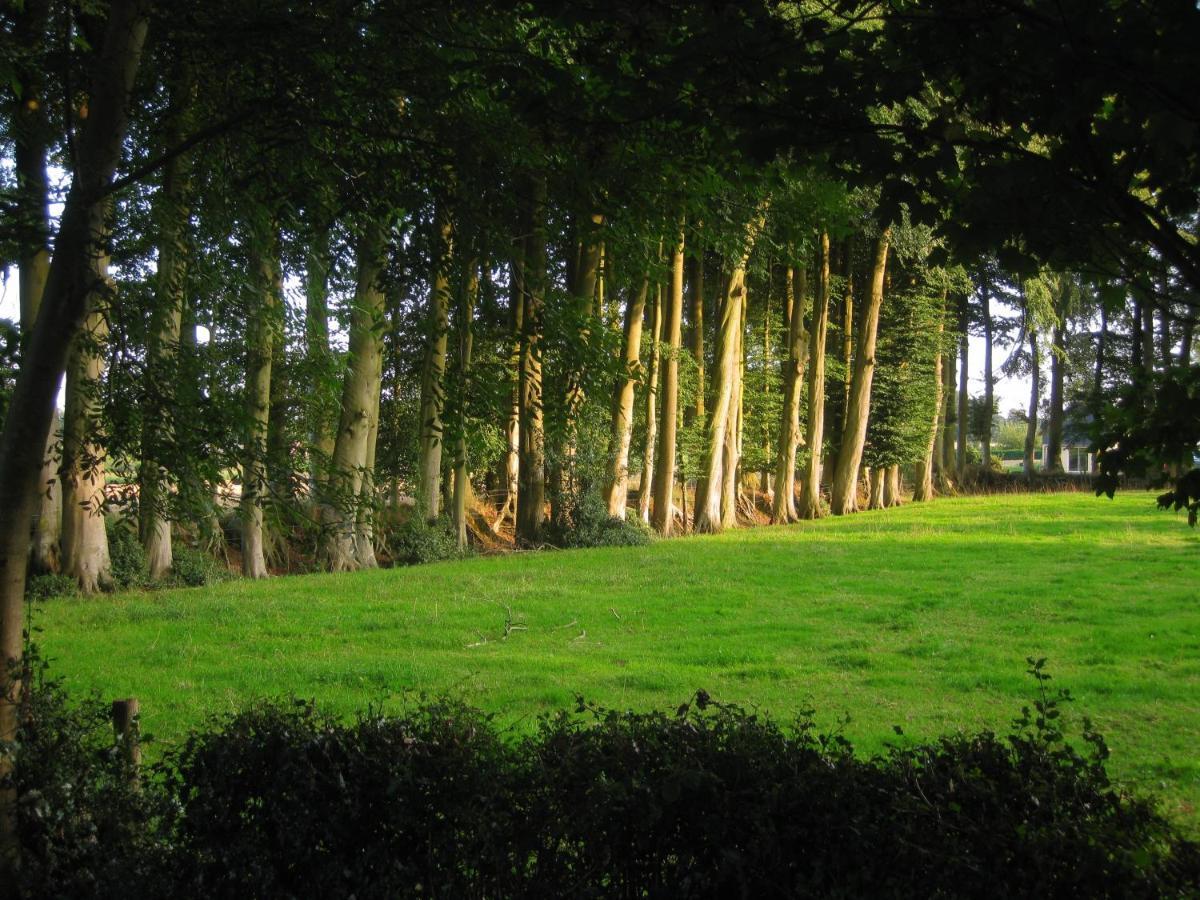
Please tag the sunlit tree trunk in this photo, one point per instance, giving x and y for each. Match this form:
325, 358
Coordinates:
364, 516
512, 427
348, 470
616, 488
69, 281
531, 489
1035, 389
847, 332
854, 432
731, 476
960, 457
988, 382
809, 506
714, 466
875, 477
1054, 422
433, 378
891, 487
649, 446
924, 487
697, 344
260, 343
462, 476
783, 507
949, 417
84, 540
664, 477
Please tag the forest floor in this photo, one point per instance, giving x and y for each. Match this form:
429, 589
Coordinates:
920, 617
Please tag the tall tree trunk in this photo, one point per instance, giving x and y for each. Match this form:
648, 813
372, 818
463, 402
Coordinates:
810, 496
1147, 335
1136, 342
730, 478
875, 479
433, 380
1165, 339
260, 344
783, 506
645, 489
531, 489
949, 416
616, 487
1185, 340
708, 511
320, 357
924, 487
988, 383
892, 487
343, 496
462, 476
162, 353
1098, 370
960, 457
364, 515
69, 281
696, 412
512, 427
1035, 390
30, 134
84, 539
854, 432
847, 333
1054, 423
664, 477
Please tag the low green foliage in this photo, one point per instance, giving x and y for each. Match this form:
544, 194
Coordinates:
195, 568
127, 556
590, 525
417, 540
712, 801
49, 586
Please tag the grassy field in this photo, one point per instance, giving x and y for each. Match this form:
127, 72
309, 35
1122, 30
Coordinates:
920, 617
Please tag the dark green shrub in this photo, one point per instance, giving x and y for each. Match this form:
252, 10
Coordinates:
590, 525
127, 556
84, 830
416, 540
195, 568
48, 586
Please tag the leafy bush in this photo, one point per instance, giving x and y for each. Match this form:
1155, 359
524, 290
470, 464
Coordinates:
84, 830
195, 568
417, 540
127, 556
45, 587
590, 525
710, 801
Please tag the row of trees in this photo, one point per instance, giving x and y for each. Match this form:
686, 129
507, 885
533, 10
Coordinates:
720, 258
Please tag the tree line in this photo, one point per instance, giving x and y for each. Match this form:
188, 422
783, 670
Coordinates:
344, 264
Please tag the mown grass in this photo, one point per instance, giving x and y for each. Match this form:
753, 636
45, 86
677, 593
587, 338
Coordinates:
920, 617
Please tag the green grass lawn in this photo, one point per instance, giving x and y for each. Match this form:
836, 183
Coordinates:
920, 617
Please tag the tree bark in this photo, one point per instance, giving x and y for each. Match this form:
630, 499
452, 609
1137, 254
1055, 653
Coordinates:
988, 384
854, 432
69, 281
708, 505
1054, 423
433, 379
260, 344
891, 487
348, 470
30, 135
810, 496
923, 490
512, 427
730, 478
468, 292
616, 488
531, 489
645, 489
949, 418
960, 456
162, 352
696, 412
320, 358
1147, 335
1035, 390
664, 476
84, 538
783, 505
875, 478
